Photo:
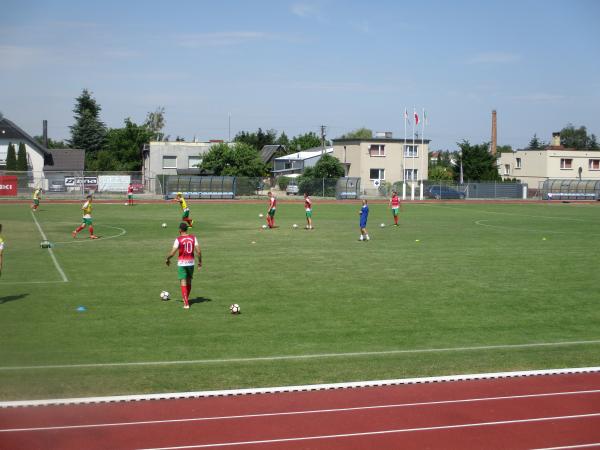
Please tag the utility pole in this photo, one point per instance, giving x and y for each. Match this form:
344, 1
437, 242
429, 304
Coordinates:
323, 128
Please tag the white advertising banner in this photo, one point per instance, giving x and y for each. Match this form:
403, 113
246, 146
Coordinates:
113, 183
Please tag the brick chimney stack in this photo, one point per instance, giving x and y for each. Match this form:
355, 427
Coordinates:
494, 134
45, 133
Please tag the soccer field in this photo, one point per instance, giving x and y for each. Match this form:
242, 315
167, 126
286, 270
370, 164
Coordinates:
457, 288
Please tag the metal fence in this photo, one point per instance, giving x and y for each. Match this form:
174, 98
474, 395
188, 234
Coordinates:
447, 190
76, 183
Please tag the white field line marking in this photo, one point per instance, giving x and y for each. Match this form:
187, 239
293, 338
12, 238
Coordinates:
102, 238
374, 433
304, 388
300, 357
591, 445
32, 282
60, 271
293, 413
481, 223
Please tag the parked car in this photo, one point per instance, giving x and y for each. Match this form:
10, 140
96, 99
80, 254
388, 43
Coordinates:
57, 186
292, 188
443, 192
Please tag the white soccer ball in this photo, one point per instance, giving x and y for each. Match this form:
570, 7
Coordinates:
126, 204
164, 225
382, 225
235, 308
264, 227
295, 225
260, 215
164, 296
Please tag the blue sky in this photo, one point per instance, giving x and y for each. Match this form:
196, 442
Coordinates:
294, 65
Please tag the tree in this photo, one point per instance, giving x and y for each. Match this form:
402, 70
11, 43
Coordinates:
239, 159
123, 146
328, 167
577, 138
11, 157
359, 133
283, 140
22, 158
257, 140
477, 162
305, 141
155, 122
504, 149
536, 144
440, 173
88, 132
51, 143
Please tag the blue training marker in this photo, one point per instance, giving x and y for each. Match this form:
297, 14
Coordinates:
81, 308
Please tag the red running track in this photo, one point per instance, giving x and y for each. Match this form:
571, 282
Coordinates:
507, 413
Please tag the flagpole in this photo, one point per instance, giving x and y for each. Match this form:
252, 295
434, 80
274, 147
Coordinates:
423, 156
412, 176
404, 157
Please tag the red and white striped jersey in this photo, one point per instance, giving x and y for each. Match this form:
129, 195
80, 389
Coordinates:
186, 246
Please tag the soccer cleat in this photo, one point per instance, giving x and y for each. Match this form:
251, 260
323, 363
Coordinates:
93, 236
186, 306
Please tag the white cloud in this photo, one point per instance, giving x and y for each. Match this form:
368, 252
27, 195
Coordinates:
224, 38
494, 58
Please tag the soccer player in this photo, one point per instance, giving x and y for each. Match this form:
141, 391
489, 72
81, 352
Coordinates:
87, 218
185, 216
271, 210
130, 195
37, 195
395, 205
1, 249
308, 209
364, 215
187, 246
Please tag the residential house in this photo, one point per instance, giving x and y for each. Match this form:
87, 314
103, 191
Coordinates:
269, 152
553, 162
297, 162
383, 159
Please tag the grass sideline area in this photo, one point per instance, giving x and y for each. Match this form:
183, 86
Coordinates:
452, 276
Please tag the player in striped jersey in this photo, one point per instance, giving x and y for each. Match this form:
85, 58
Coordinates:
87, 218
395, 205
187, 246
37, 195
185, 216
308, 210
271, 210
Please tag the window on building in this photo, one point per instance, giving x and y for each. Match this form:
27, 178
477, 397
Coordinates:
411, 174
506, 169
169, 162
411, 151
566, 163
518, 163
594, 164
194, 162
377, 174
377, 150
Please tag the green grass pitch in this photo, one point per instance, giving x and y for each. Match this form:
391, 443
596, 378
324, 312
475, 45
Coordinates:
452, 276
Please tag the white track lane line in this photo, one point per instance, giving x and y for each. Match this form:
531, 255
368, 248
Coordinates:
292, 413
302, 357
60, 271
374, 433
592, 445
